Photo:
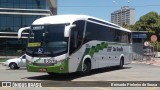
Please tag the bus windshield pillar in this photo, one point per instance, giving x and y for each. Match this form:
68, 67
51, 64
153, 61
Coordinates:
67, 30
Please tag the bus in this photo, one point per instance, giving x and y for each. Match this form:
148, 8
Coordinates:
73, 43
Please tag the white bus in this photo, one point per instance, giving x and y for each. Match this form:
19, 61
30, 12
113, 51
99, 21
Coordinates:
71, 43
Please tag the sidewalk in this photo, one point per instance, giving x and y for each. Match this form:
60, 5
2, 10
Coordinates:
155, 62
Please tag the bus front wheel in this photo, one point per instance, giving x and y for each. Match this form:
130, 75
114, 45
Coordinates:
52, 73
86, 67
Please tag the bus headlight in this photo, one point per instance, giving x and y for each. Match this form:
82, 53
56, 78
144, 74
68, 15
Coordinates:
29, 62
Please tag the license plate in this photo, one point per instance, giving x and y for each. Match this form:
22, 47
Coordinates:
42, 69
49, 61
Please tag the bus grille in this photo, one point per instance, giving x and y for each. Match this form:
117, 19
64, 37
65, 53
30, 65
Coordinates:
43, 64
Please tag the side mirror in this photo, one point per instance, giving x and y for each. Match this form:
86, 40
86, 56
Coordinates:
21, 30
24, 57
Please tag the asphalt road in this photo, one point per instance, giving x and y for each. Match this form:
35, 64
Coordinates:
132, 72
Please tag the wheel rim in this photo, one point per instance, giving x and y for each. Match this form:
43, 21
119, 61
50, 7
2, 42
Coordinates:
84, 67
12, 66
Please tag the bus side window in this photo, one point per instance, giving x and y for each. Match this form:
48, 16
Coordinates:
129, 38
75, 39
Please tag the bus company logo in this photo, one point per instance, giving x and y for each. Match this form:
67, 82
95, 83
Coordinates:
6, 84
40, 50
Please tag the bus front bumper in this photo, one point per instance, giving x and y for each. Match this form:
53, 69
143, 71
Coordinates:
59, 68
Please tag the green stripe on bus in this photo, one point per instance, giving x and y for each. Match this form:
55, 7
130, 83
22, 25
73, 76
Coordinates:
91, 51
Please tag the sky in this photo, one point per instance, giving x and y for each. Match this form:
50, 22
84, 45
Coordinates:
103, 8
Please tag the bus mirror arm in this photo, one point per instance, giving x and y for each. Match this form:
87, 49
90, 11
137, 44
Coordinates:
21, 30
67, 30
74, 25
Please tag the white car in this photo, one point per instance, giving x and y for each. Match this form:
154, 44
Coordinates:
16, 63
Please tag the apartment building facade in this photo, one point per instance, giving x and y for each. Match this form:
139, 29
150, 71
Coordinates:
125, 15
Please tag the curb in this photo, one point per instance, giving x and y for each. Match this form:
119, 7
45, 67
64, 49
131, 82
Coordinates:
147, 63
1, 62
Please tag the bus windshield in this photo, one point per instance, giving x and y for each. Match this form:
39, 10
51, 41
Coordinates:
47, 40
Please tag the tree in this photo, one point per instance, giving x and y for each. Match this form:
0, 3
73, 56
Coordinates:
149, 22
130, 27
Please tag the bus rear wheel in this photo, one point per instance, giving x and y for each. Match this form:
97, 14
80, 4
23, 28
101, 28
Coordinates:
121, 63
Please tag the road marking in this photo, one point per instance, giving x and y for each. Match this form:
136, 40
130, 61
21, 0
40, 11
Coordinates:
100, 88
5, 88
153, 88
55, 88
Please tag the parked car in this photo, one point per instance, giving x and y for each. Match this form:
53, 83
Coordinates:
16, 63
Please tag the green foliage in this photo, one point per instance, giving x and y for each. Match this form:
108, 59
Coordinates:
130, 27
149, 22
157, 46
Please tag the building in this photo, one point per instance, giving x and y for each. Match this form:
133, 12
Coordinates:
15, 14
123, 16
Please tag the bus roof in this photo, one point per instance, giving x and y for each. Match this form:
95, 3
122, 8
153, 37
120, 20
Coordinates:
61, 19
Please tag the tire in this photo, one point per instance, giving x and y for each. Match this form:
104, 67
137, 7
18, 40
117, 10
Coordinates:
13, 66
121, 63
86, 68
